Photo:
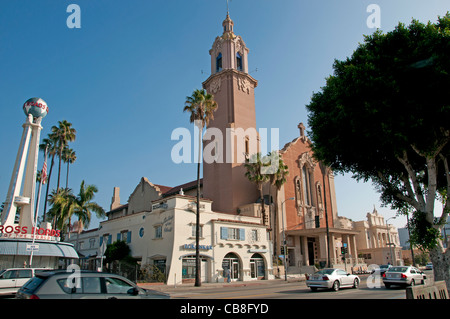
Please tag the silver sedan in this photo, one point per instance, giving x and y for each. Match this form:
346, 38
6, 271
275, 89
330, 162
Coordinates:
332, 278
404, 275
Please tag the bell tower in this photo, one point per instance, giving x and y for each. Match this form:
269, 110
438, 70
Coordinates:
224, 179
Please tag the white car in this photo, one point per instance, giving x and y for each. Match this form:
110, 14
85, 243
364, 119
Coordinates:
403, 275
12, 279
332, 278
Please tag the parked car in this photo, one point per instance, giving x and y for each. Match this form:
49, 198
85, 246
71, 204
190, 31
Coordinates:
84, 285
12, 279
429, 266
381, 269
404, 275
332, 278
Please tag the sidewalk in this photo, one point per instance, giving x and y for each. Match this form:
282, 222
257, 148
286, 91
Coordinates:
191, 286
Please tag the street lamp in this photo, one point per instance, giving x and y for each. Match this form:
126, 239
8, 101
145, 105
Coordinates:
389, 238
284, 237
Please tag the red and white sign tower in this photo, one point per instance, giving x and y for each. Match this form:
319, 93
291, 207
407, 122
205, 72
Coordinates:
21, 192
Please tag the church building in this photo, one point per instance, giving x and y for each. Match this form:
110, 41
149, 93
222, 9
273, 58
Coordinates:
158, 222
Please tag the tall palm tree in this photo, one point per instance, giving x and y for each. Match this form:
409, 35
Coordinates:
201, 106
51, 143
69, 157
255, 174
63, 133
278, 179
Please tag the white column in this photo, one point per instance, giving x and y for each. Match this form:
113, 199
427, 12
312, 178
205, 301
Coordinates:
17, 175
29, 186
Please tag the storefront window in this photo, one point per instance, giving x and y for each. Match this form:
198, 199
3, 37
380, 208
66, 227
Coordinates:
231, 267
188, 267
257, 267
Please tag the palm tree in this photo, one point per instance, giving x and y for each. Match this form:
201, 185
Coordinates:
51, 143
255, 175
63, 133
84, 206
63, 205
69, 157
278, 179
201, 106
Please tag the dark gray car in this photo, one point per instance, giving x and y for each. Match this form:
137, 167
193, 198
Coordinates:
84, 285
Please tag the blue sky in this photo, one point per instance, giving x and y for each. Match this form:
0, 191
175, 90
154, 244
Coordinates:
122, 78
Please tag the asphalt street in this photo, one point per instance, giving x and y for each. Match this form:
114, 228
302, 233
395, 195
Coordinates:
279, 289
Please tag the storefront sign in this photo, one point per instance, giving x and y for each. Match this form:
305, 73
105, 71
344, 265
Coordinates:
27, 232
200, 247
258, 250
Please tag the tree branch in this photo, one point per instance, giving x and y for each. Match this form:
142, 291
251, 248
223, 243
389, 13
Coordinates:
412, 176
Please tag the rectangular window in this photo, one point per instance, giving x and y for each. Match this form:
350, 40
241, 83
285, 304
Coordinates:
200, 231
232, 233
92, 243
255, 235
158, 231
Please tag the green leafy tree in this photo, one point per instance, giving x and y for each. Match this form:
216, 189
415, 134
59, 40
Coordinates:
384, 116
201, 106
118, 250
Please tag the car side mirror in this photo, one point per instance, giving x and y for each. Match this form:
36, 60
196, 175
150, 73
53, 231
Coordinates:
133, 291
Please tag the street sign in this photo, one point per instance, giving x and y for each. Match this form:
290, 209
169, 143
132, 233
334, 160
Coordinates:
32, 247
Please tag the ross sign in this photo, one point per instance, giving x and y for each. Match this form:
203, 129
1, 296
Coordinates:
32, 247
28, 232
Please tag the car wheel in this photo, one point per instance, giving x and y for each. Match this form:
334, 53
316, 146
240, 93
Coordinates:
336, 285
313, 288
387, 286
356, 283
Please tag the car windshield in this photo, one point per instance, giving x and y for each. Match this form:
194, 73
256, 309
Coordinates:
325, 272
398, 269
384, 266
31, 285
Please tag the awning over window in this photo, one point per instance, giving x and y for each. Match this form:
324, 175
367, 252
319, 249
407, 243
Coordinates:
54, 249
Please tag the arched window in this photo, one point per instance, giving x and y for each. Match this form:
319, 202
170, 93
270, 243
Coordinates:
306, 186
219, 62
298, 193
319, 195
238, 62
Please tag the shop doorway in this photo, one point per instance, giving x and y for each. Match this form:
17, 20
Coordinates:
311, 247
231, 266
257, 267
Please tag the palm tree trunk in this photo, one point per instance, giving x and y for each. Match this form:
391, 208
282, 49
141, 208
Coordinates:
48, 186
67, 176
197, 222
59, 170
263, 209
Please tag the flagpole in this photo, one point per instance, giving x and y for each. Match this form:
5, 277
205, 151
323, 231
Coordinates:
36, 213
